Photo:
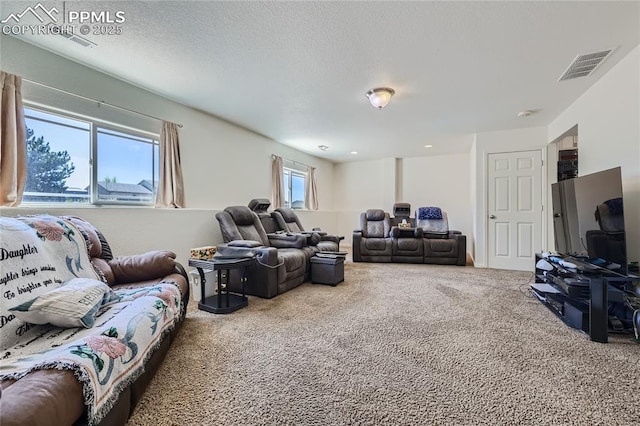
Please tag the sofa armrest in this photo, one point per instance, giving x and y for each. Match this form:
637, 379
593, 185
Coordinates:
267, 256
287, 240
142, 267
355, 246
179, 269
324, 236
244, 243
332, 238
462, 249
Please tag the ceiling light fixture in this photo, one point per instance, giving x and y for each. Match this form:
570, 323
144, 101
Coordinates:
354, 152
525, 113
428, 146
323, 147
380, 97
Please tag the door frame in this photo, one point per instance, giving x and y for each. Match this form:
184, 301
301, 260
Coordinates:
484, 199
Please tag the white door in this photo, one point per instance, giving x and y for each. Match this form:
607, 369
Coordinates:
514, 222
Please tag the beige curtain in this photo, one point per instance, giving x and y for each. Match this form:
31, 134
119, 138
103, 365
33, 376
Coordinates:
277, 168
13, 141
310, 190
170, 186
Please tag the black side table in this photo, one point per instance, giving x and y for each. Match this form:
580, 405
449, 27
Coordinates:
225, 301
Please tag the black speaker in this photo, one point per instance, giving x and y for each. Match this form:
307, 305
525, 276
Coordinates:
598, 311
576, 314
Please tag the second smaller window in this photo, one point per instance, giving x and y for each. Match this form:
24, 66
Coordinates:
294, 185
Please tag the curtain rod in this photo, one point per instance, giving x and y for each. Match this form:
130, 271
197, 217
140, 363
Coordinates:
292, 161
95, 100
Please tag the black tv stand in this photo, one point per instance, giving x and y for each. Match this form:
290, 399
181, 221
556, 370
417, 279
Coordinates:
583, 297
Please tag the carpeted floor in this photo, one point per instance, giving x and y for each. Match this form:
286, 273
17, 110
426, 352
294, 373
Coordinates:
394, 345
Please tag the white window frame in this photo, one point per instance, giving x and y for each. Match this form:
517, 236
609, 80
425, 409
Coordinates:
289, 182
94, 125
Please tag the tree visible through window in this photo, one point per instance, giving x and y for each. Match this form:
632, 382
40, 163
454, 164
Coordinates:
57, 158
62, 149
47, 171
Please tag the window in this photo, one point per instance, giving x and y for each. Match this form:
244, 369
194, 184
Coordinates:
294, 184
127, 167
57, 159
61, 150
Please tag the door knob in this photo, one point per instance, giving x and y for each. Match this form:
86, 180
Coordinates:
492, 216
556, 215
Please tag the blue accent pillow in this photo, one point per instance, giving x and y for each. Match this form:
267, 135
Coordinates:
425, 213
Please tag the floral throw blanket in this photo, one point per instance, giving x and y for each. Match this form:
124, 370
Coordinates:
107, 357
104, 358
37, 255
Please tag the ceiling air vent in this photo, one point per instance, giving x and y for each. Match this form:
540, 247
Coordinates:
80, 40
583, 65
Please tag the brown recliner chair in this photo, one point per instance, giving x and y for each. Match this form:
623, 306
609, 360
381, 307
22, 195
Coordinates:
282, 263
372, 242
288, 220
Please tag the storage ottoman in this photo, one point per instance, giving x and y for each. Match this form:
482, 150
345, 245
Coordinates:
327, 270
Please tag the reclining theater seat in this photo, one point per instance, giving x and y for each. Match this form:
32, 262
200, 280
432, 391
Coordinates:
372, 243
288, 220
282, 263
407, 245
260, 206
441, 245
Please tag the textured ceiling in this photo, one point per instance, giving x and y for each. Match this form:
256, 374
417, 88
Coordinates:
297, 72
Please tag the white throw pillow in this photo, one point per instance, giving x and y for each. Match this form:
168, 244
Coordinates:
74, 304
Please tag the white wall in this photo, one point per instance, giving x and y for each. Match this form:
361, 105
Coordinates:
223, 164
359, 186
218, 155
608, 119
495, 142
441, 181
137, 230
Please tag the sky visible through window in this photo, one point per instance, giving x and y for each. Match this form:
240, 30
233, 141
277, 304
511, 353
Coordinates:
297, 190
126, 160
293, 188
75, 141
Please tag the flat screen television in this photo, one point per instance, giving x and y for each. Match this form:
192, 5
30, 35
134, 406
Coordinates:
588, 219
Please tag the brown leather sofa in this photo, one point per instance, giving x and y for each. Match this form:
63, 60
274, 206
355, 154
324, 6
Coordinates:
54, 397
379, 240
